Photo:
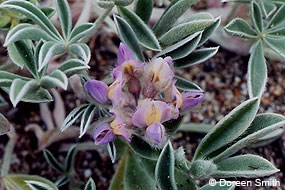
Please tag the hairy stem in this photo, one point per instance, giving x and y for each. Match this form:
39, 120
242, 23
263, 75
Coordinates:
8, 154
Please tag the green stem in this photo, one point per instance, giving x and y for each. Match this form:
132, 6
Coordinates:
99, 21
8, 155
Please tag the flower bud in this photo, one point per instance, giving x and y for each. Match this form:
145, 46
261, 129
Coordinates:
155, 132
191, 99
98, 90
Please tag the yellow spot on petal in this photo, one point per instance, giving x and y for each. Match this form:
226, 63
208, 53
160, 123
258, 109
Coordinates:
153, 113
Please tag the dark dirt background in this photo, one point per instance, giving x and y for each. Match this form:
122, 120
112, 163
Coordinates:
223, 78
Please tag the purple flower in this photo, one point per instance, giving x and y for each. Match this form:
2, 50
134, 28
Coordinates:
106, 132
115, 91
155, 132
191, 99
103, 134
125, 54
150, 112
98, 90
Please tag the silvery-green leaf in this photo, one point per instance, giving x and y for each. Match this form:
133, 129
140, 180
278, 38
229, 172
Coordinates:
27, 182
187, 42
64, 15
62, 180
80, 32
143, 9
171, 14
248, 166
183, 50
184, 181
164, 170
69, 160
81, 50
19, 89
34, 13
29, 32
256, 16
56, 79
277, 44
52, 161
7, 78
196, 16
48, 50
86, 119
90, 185
228, 129
5, 20
117, 182
196, 57
4, 125
257, 71
73, 66
186, 85
172, 125
112, 151
39, 95
48, 11
144, 35
136, 177
202, 169
277, 19
268, 8
143, 149
209, 31
21, 54
73, 116
128, 36
278, 32
218, 186
240, 27
196, 127
261, 126
183, 30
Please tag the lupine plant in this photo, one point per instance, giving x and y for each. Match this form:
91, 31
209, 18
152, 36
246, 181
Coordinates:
136, 113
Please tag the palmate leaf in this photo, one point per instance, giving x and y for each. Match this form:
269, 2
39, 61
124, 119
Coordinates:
277, 44
136, 177
86, 119
262, 125
257, 71
69, 160
240, 27
142, 31
209, 31
81, 50
186, 85
183, 30
256, 16
72, 66
277, 19
143, 9
19, 89
164, 170
27, 182
73, 116
228, 129
64, 15
128, 36
34, 13
80, 32
7, 78
47, 51
182, 48
21, 53
90, 185
39, 95
4, 125
196, 57
55, 79
171, 14
53, 161
247, 166
26, 31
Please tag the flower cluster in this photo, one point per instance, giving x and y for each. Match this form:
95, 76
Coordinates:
142, 97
